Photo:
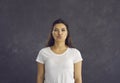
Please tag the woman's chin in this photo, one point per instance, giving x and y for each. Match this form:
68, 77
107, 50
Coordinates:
60, 40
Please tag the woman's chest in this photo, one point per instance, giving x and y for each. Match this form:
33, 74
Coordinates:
59, 62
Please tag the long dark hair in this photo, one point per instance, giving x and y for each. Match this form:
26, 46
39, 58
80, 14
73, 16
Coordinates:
68, 40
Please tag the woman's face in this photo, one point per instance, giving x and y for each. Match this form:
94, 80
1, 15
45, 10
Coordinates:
59, 32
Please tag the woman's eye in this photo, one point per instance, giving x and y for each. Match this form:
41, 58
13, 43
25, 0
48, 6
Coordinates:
55, 30
59, 30
63, 30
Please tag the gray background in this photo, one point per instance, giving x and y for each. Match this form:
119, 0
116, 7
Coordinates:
94, 26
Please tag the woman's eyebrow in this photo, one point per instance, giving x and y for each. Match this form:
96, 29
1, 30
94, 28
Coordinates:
58, 28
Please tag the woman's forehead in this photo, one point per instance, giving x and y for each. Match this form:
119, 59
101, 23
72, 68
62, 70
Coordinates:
60, 25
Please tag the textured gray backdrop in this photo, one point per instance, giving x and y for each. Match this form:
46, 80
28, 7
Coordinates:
94, 26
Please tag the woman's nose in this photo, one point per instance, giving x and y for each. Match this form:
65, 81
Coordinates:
59, 32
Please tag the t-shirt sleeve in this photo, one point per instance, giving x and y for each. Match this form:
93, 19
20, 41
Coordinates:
40, 57
77, 56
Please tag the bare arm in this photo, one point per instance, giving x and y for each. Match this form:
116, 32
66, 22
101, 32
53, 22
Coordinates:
40, 73
78, 72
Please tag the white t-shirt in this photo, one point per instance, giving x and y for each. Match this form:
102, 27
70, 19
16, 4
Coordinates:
59, 68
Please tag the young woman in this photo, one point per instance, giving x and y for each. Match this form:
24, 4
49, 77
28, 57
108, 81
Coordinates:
59, 62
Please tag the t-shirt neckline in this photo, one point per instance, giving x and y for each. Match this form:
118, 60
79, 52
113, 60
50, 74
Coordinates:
58, 54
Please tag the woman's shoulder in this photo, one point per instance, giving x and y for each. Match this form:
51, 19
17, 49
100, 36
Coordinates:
44, 49
73, 49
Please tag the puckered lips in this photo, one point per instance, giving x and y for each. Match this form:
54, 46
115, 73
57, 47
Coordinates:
59, 36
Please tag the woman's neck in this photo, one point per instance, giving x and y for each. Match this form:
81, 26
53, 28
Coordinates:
59, 45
